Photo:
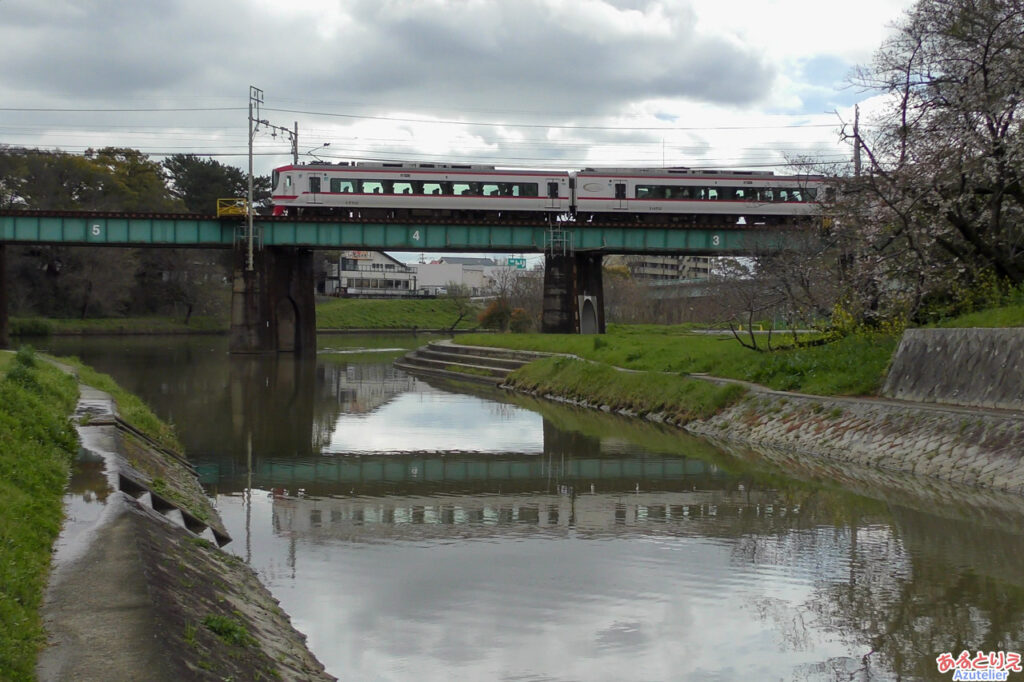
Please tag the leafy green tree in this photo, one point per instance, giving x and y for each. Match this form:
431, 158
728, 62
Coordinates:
199, 182
134, 182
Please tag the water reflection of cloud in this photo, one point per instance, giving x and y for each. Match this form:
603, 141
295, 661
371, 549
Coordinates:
607, 610
453, 423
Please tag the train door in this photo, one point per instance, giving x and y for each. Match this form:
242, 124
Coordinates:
552, 194
621, 203
314, 189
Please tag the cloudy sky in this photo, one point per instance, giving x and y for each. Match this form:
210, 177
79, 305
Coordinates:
529, 83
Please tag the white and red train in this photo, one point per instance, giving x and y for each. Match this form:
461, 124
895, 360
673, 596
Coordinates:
418, 190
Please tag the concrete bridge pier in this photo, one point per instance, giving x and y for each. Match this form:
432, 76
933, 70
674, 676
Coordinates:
5, 337
573, 294
272, 305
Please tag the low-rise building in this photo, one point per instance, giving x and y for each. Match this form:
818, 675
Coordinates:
367, 274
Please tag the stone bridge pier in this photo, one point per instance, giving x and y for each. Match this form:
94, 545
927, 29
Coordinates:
573, 294
272, 305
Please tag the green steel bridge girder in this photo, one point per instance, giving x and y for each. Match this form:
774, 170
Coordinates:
196, 231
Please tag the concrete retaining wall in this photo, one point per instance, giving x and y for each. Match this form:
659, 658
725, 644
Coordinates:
975, 367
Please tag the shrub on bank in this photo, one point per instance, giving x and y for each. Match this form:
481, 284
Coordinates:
37, 443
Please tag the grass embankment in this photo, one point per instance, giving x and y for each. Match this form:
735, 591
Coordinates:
37, 443
676, 398
854, 365
361, 313
39, 326
341, 313
1003, 316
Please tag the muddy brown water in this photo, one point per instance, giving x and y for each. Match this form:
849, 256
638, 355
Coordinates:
416, 530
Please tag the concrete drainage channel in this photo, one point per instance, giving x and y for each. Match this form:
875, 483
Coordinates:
475, 363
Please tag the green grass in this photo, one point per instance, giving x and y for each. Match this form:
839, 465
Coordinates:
640, 392
230, 630
37, 443
130, 406
1003, 316
359, 313
854, 365
37, 326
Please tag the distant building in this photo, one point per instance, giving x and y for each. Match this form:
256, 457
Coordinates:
473, 273
664, 268
367, 274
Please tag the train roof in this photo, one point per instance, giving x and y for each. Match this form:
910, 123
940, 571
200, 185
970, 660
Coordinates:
678, 170
391, 165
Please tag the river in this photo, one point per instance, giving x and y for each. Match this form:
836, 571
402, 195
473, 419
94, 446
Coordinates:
416, 530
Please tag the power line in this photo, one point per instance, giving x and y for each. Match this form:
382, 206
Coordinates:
119, 111
543, 125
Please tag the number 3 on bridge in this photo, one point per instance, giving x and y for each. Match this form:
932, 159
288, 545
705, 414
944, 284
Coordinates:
416, 236
716, 240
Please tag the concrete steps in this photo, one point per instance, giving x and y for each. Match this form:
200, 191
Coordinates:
475, 363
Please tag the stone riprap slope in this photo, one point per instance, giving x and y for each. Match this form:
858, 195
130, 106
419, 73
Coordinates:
974, 447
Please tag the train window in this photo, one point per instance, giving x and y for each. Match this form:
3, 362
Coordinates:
781, 195
403, 188
794, 195
372, 187
288, 181
314, 184
552, 190
462, 189
620, 190
642, 191
431, 188
712, 193
726, 193
490, 189
528, 189
339, 185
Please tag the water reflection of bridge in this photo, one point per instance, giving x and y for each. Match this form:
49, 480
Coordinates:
703, 512
486, 472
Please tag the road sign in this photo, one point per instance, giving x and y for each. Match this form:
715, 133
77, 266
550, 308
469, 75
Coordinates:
517, 263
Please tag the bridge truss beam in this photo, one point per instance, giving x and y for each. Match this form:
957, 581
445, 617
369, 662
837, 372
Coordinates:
198, 231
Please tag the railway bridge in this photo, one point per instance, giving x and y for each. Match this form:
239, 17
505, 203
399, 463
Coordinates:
272, 302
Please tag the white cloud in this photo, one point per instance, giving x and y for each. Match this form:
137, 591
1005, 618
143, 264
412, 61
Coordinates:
672, 73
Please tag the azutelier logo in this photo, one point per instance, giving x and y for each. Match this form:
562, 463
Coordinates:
981, 667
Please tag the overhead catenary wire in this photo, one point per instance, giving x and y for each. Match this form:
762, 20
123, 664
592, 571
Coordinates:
465, 147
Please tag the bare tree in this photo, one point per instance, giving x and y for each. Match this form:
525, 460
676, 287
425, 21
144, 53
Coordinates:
942, 198
459, 295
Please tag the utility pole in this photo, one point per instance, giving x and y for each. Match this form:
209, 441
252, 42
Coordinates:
255, 100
